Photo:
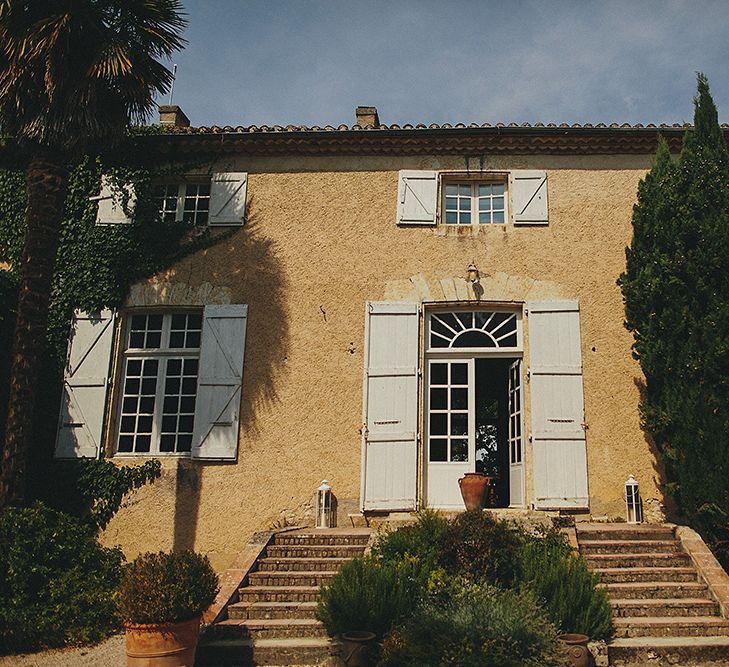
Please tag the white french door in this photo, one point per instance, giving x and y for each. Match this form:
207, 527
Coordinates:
451, 426
516, 453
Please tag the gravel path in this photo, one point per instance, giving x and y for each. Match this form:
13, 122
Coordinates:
109, 653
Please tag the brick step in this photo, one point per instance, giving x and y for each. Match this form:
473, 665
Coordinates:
653, 590
342, 539
301, 564
269, 628
263, 610
669, 651
618, 532
610, 575
675, 626
588, 547
683, 607
677, 559
289, 578
315, 551
279, 593
243, 652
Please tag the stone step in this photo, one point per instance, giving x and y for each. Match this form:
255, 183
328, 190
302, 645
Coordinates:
653, 590
671, 626
339, 539
623, 532
683, 607
588, 547
279, 593
669, 651
301, 564
263, 610
609, 575
314, 551
269, 628
243, 652
290, 578
676, 559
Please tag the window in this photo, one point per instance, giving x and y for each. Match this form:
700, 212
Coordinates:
473, 329
159, 383
188, 202
474, 203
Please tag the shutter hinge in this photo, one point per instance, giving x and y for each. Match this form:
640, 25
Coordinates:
529, 373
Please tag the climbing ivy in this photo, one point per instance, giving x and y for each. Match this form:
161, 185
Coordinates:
95, 266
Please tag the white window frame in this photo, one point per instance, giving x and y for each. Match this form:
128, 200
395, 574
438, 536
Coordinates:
181, 196
516, 350
461, 179
161, 354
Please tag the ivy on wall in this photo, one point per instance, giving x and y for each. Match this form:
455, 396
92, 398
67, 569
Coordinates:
95, 265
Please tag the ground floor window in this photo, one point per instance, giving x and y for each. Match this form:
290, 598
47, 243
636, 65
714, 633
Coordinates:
158, 384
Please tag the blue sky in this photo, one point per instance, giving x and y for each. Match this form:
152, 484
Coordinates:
311, 62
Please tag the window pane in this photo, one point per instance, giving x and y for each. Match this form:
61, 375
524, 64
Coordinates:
459, 373
497, 188
459, 424
438, 424
466, 204
484, 204
451, 189
177, 339
438, 399
464, 190
451, 217
438, 374
498, 216
459, 399
439, 450
498, 202
465, 219
484, 190
459, 450
484, 218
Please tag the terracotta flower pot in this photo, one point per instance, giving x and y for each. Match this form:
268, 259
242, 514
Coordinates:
575, 648
474, 487
163, 644
357, 648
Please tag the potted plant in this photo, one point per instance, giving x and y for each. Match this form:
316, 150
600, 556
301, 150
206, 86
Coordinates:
161, 599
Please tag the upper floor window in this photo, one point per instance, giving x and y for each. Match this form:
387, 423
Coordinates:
188, 202
471, 203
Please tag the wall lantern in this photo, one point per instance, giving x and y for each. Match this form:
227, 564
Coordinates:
472, 274
324, 506
633, 503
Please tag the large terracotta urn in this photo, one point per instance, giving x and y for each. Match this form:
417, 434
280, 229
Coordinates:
162, 645
575, 648
474, 489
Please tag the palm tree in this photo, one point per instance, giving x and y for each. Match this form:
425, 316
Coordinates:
73, 75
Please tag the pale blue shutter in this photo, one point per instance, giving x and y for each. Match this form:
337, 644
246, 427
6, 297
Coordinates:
529, 197
220, 379
417, 198
112, 208
85, 384
228, 193
557, 405
390, 410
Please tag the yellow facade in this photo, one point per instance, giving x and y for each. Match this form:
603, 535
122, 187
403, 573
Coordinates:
320, 240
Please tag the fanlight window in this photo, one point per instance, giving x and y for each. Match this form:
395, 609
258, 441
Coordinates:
473, 329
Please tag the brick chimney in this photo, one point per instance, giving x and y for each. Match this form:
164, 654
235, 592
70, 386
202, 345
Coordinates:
171, 114
367, 117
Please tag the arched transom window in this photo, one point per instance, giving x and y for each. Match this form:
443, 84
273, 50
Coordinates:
473, 329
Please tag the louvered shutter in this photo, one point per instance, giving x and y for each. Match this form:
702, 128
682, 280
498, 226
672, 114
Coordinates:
228, 198
111, 204
85, 383
557, 405
529, 197
390, 411
417, 198
220, 379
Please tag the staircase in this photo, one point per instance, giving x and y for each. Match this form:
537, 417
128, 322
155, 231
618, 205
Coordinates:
663, 612
273, 622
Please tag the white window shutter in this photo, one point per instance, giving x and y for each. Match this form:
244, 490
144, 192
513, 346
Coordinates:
85, 383
417, 198
111, 205
228, 198
529, 197
557, 405
220, 379
390, 410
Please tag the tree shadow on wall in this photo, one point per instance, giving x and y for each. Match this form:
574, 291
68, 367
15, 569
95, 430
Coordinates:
246, 262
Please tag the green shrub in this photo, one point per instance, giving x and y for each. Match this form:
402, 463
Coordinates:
481, 548
371, 596
167, 587
56, 582
568, 590
422, 540
481, 626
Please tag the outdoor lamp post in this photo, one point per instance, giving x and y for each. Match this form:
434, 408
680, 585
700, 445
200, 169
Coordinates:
633, 503
323, 506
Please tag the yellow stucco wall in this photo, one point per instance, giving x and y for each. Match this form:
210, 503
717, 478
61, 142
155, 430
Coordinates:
321, 239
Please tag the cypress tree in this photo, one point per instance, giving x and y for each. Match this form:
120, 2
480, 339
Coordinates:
676, 293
